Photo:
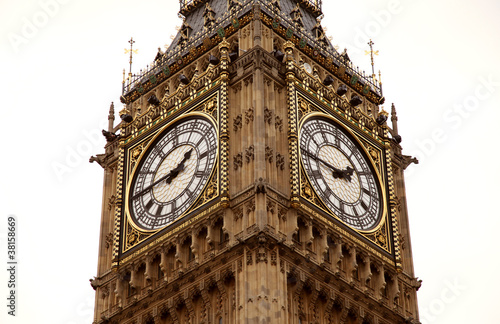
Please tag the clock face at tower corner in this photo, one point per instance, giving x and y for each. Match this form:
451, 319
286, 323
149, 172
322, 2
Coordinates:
341, 173
172, 172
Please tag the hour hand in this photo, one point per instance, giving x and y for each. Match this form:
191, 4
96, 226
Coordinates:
337, 173
346, 174
174, 172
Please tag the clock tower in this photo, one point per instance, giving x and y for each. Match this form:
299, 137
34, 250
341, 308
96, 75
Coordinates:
253, 178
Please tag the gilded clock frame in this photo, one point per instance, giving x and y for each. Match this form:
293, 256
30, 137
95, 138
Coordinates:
372, 146
130, 234
383, 212
145, 150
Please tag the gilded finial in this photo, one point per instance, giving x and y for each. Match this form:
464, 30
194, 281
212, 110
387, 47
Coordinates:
131, 51
371, 52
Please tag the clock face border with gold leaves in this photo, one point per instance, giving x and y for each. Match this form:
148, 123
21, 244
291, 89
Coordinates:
172, 172
341, 173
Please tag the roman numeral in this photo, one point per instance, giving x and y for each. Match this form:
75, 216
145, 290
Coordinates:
200, 174
316, 174
149, 205
364, 205
203, 155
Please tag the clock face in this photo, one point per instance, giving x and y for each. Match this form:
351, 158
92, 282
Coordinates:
172, 173
341, 174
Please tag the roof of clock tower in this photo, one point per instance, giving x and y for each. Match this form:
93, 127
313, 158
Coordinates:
201, 16
207, 22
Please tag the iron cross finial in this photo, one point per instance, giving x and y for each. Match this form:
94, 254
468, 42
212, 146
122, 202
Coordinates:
371, 43
131, 51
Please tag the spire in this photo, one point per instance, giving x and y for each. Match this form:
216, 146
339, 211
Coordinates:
394, 119
111, 117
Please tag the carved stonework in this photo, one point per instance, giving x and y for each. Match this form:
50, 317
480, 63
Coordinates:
250, 206
249, 115
269, 154
282, 213
260, 186
268, 115
271, 207
248, 80
278, 123
249, 154
249, 258
274, 257
280, 161
238, 161
237, 87
246, 32
109, 240
111, 202
238, 213
237, 123
261, 255
407, 160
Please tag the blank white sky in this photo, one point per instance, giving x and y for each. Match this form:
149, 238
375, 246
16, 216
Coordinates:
439, 63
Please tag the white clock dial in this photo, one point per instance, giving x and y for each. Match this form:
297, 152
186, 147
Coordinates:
340, 173
172, 173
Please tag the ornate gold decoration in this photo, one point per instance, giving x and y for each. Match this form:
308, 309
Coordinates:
134, 156
210, 108
132, 238
374, 155
307, 191
210, 192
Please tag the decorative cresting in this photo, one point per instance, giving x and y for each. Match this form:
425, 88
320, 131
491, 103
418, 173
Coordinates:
292, 126
224, 122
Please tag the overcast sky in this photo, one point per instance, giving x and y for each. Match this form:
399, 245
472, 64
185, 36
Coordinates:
61, 64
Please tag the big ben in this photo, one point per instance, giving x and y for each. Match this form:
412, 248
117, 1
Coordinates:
254, 178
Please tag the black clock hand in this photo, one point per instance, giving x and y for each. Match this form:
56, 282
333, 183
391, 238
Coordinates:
169, 177
337, 173
172, 174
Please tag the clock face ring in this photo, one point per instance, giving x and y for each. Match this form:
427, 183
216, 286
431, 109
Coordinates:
172, 172
341, 173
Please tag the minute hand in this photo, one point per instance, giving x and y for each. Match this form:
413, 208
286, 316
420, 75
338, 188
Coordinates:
169, 177
337, 173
